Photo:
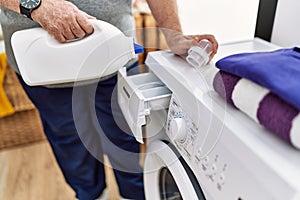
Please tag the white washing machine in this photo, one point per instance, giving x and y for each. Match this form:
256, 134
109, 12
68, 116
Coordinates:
197, 146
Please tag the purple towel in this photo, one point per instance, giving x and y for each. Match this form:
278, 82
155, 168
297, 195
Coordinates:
271, 111
278, 71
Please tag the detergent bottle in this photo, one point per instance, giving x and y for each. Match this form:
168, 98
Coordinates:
43, 61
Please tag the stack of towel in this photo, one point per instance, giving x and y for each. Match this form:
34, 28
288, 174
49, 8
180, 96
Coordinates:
265, 86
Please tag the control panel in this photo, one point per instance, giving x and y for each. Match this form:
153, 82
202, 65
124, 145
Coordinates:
185, 134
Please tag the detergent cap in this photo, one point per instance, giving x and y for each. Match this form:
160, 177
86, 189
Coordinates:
138, 48
198, 56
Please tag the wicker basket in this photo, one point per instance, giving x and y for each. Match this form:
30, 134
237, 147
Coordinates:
24, 126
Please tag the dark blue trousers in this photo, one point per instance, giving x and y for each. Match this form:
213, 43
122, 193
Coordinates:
83, 123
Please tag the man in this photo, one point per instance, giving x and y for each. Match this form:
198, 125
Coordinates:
88, 112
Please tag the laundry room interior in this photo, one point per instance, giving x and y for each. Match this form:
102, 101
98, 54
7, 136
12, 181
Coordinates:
206, 130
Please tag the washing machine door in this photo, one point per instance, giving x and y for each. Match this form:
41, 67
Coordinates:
167, 176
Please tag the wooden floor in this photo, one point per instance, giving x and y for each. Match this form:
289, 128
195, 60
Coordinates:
31, 173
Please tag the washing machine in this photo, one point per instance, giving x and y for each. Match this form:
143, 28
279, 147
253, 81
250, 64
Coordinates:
198, 147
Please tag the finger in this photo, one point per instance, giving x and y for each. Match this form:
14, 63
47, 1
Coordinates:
60, 38
76, 29
209, 37
197, 38
214, 42
85, 25
67, 32
54, 31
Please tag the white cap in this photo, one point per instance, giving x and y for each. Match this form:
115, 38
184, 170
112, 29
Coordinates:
198, 56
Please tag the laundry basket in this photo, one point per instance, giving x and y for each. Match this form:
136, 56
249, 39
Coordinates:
24, 126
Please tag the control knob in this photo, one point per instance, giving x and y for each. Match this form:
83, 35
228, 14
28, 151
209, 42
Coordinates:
178, 130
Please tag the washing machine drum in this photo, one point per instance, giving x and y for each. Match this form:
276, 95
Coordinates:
167, 176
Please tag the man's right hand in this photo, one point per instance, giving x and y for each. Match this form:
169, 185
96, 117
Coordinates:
63, 20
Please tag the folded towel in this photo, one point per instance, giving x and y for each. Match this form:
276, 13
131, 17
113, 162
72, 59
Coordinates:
5, 106
278, 71
263, 106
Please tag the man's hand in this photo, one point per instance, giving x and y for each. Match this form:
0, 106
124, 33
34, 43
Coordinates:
180, 44
166, 15
63, 20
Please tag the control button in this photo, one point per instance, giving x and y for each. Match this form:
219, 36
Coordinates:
205, 160
222, 178
216, 158
219, 186
224, 167
214, 168
178, 129
203, 167
210, 177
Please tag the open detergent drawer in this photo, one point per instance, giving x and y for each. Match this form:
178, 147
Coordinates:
138, 95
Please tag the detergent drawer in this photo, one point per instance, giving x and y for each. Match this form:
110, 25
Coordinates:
138, 95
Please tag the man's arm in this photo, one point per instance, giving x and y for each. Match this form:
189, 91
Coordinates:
166, 15
60, 18
12, 5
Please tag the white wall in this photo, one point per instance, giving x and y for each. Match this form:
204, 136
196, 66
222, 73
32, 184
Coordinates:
228, 20
286, 29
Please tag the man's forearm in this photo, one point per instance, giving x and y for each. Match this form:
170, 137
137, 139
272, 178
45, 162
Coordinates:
166, 15
11, 4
